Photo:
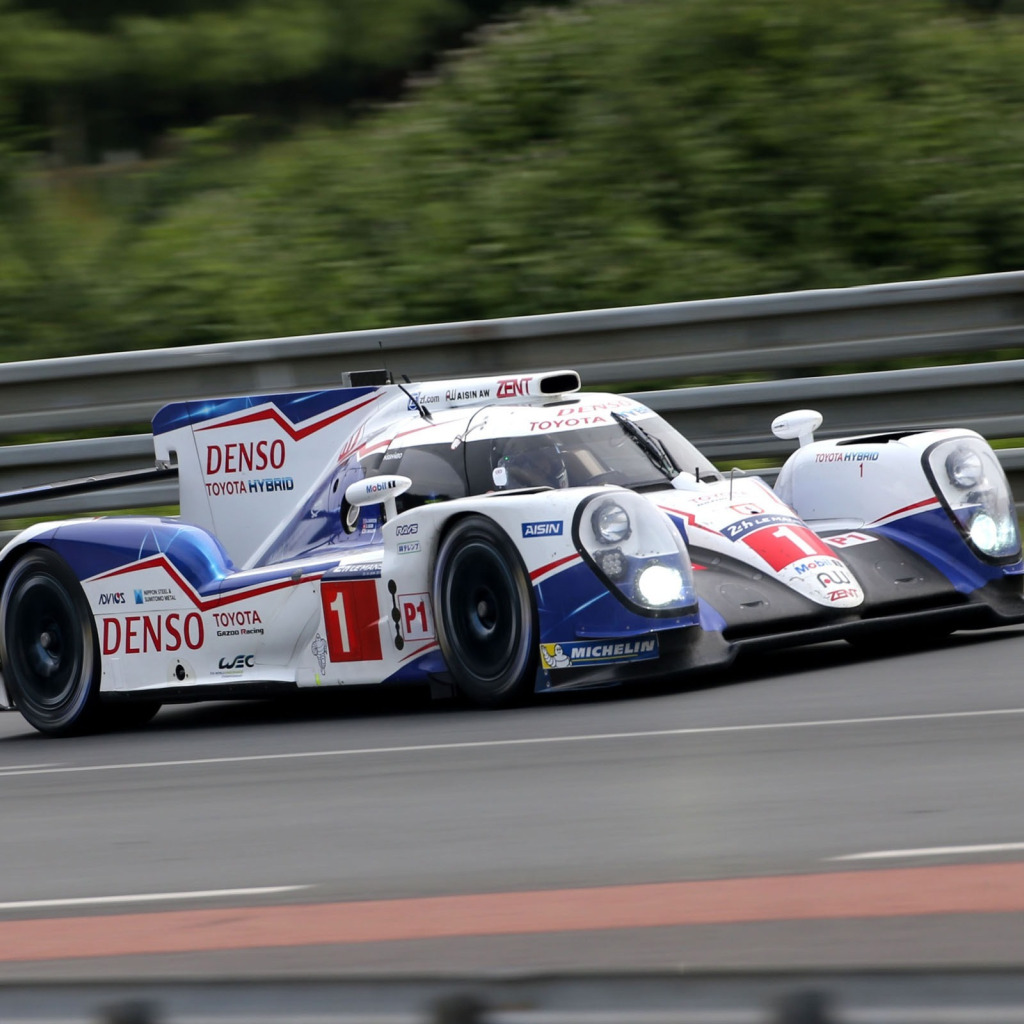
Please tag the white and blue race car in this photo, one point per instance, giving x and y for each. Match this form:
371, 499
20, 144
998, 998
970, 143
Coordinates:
492, 537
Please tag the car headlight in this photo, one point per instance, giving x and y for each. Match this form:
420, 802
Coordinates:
973, 488
964, 467
612, 563
983, 531
659, 585
637, 552
611, 522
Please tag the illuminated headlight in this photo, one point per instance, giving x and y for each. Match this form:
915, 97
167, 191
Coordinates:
964, 468
972, 485
659, 585
993, 536
637, 552
611, 523
984, 532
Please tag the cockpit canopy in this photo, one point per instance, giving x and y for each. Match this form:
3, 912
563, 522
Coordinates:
608, 440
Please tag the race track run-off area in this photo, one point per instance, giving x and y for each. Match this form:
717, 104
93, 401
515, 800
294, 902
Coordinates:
820, 807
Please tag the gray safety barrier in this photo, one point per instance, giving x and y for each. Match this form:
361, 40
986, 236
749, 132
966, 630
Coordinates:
781, 337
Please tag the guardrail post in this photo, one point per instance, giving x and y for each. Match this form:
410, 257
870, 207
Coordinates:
132, 1011
803, 1007
458, 1008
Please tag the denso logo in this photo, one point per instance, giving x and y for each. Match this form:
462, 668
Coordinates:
112, 598
240, 457
544, 529
238, 662
513, 387
407, 529
145, 634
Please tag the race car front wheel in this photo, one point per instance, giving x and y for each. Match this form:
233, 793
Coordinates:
48, 645
484, 605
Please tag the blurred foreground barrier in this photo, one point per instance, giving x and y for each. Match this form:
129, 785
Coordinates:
786, 997
765, 336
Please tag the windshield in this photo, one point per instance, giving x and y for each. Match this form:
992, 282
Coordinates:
630, 454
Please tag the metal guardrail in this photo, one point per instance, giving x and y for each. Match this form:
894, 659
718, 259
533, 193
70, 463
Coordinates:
766, 335
729, 423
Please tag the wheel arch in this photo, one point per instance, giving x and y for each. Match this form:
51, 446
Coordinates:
74, 709
14, 553
519, 569
10, 556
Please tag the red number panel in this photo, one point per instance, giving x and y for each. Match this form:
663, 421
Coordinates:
780, 546
351, 615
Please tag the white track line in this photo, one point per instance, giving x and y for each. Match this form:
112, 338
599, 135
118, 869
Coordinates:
151, 897
526, 741
933, 851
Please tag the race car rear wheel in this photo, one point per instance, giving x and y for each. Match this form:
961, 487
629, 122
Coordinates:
48, 645
486, 619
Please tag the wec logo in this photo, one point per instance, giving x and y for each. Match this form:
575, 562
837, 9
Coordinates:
551, 528
237, 663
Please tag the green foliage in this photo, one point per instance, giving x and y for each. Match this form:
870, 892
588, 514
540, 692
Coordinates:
600, 154
118, 73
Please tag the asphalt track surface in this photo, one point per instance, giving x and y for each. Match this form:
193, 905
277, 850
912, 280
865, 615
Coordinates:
818, 807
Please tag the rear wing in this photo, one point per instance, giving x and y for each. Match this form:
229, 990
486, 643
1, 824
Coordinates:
22, 498
244, 463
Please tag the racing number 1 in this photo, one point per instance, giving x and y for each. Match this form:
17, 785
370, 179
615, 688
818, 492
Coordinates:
782, 545
338, 607
792, 535
351, 620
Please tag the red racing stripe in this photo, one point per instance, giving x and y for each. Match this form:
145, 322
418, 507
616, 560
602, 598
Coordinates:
955, 889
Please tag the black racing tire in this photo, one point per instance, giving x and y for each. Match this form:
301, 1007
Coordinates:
486, 619
48, 645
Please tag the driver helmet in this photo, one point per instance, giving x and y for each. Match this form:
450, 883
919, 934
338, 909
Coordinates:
532, 464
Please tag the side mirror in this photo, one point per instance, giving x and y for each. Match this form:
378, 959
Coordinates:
800, 424
378, 490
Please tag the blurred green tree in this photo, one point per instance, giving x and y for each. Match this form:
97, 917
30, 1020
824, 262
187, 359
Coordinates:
117, 74
595, 154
